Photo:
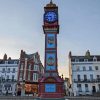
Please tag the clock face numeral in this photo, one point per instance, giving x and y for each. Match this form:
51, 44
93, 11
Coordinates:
50, 16
50, 40
50, 61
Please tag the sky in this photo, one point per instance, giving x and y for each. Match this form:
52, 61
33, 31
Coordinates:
21, 28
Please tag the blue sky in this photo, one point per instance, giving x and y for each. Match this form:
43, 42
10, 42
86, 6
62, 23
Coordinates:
21, 28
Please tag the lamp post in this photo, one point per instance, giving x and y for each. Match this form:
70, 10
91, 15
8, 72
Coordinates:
23, 88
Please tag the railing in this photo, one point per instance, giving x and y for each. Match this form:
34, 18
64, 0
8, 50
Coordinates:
86, 80
8, 80
84, 93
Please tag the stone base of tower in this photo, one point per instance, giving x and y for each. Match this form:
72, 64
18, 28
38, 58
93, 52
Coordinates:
51, 87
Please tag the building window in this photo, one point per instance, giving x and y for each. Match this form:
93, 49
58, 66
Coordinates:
6, 88
0, 88
79, 87
29, 67
90, 68
98, 77
9, 88
85, 77
35, 77
99, 87
96, 67
29, 75
15, 62
6, 62
86, 88
94, 59
91, 77
36, 58
84, 68
8, 71
21, 75
77, 68
78, 77
22, 66
76, 60
35, 67
2, 78
3, 70
7, 77
85, 60
13, 70
13, 77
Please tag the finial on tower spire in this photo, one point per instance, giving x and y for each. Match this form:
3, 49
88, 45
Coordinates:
51, 4
51, 1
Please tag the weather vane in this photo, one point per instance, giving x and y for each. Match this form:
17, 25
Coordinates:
51, 1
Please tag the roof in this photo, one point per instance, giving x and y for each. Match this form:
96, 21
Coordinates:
89, 58
30, 55
12, 61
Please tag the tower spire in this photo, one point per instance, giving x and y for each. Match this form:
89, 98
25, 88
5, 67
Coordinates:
51, 1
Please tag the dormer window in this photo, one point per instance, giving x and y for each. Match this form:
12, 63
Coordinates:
76, 60
15, 62
6, 62
85, 60
94, 59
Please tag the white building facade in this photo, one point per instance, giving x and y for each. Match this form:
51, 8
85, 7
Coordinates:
8, 75
84, 72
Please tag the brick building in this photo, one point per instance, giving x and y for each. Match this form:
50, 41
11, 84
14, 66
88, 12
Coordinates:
29, 71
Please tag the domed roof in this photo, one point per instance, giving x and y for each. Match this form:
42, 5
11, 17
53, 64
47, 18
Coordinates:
51, 4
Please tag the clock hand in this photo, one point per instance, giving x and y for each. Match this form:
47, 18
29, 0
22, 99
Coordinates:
50, 17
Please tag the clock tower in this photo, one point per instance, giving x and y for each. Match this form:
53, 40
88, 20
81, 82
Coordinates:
51, 84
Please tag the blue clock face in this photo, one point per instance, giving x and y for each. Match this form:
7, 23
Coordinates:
51, 16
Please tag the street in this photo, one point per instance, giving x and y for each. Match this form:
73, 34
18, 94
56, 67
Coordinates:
83, 98
32, 98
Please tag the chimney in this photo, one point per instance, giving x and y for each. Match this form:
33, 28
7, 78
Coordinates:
9, 58
5, 57
70, 54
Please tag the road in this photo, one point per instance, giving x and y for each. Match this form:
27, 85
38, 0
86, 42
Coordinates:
32, 98
83, 98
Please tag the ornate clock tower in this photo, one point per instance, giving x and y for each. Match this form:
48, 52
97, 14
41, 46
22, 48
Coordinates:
51, 84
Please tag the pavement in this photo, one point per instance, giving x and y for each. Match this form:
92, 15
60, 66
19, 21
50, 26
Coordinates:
32, 98
83, 98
